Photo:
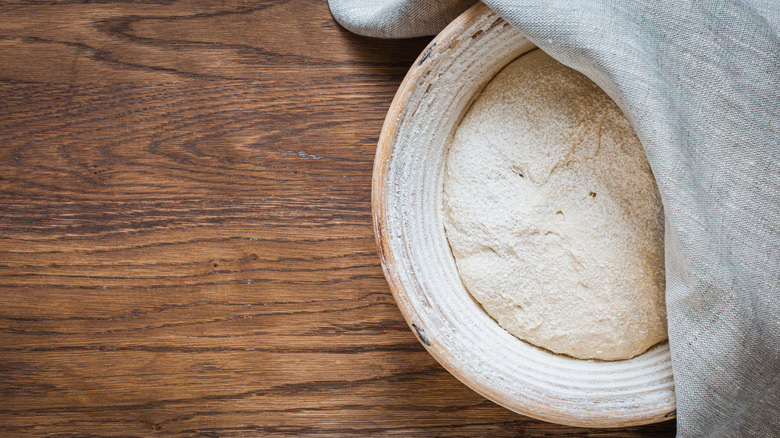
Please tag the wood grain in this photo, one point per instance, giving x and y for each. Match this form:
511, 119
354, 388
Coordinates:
186, 244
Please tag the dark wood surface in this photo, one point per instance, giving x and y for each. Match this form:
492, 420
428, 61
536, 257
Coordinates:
185, 230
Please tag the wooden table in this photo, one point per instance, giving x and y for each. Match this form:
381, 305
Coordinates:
185, 230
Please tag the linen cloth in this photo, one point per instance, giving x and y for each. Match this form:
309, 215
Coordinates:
700, 83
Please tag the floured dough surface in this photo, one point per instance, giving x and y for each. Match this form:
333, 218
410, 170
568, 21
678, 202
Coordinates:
553, 215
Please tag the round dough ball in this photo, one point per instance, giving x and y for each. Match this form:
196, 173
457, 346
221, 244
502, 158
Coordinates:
553, 214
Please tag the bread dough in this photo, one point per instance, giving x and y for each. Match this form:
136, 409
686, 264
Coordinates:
553, 214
